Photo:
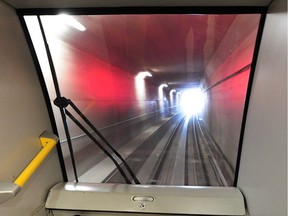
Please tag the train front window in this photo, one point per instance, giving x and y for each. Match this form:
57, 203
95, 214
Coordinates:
116, 84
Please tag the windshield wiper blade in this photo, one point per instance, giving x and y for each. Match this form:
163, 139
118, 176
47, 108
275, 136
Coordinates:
64, 102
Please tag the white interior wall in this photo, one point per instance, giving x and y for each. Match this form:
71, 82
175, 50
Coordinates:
23, 118
263, 168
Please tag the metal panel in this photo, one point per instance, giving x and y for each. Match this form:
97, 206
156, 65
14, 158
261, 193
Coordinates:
150, 199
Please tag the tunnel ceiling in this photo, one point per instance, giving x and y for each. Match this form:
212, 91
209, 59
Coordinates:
174, 48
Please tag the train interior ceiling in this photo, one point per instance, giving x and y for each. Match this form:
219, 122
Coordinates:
148, 100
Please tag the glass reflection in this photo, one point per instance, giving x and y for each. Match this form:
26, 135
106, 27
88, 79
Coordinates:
97, 59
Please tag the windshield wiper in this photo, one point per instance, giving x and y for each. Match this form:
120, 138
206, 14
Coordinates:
62, 103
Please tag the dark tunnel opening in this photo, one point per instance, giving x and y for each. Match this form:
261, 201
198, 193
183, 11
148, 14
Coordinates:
167, 91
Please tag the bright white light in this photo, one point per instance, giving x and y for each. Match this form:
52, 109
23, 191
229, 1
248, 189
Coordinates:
160, 91
178, 96
69, 20
37, 39
172, 91
143, 74
192, 101
172, 97
70, 187
163, 86
140, 84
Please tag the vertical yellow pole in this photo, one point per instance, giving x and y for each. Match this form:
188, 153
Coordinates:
48, 142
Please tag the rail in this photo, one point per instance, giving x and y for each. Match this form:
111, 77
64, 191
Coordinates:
10, 190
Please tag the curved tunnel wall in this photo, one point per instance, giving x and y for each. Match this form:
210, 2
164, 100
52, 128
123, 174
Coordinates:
108, 95
225, 84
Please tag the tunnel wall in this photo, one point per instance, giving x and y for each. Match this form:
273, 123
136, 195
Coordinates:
104, 93
226, 80
24, 117
108, 96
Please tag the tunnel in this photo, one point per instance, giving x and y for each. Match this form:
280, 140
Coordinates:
163, 95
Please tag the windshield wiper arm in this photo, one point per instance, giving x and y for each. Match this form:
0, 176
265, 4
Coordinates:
64, 102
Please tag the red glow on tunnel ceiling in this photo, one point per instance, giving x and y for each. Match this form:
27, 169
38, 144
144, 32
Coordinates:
177, 47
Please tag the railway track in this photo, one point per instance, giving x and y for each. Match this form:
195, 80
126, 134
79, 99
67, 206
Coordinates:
189, 158
185, 155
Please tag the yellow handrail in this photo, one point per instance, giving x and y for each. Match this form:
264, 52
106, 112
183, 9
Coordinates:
48, 142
